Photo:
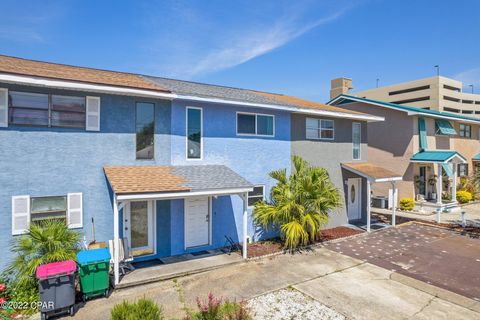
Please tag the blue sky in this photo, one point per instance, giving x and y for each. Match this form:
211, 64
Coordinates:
291, 47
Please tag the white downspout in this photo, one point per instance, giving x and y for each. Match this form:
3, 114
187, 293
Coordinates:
116, 237
245, 225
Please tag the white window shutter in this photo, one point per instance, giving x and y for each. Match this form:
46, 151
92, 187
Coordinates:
93, 114
3, 107
20, 214
74, 210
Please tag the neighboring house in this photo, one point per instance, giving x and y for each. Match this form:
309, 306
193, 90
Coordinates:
431, 149
172, 166
434, 93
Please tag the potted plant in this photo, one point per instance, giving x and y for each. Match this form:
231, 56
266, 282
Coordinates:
432, 181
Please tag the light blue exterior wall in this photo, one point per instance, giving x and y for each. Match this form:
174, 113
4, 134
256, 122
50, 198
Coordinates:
49, 161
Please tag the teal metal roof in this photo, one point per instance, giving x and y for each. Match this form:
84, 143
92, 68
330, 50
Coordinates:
445, 127
345, 98
435, 156
476, 157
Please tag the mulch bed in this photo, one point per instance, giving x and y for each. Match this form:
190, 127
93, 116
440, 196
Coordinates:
262, 248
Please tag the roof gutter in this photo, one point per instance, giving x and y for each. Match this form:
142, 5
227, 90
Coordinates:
179, 195
71, 85
326, 113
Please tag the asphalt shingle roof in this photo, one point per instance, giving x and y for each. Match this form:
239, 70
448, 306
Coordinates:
158, 179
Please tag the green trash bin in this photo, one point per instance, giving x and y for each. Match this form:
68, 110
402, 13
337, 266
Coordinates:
93, 269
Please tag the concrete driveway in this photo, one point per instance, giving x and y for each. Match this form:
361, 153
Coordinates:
353, 287
434, 255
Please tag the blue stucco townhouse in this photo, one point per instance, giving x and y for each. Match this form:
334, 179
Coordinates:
171, 166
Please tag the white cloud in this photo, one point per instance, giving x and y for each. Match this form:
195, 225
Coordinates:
251, 45
198, 42
468, 77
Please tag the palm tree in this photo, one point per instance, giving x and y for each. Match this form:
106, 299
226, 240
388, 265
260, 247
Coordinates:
47, 241
299, 204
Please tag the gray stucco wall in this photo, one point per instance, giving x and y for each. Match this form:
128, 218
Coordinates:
329, 154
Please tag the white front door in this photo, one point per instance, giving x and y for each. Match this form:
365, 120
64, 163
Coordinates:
139, 227
197, 222
354, 198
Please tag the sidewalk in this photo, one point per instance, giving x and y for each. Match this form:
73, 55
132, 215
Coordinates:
352, 287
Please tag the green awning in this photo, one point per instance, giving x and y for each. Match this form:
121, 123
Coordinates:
422, 133
444, 127
476, 157
447, 167
436, 156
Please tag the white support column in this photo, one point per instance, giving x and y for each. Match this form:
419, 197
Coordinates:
245, 225
394, 203
369, 204
439, 184
454, 186
116, 237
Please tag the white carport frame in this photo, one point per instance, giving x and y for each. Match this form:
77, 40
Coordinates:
120, 200
371, 180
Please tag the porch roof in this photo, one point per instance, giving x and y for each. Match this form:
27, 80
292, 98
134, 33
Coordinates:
372, 172
436, 156
167, 180
476, 157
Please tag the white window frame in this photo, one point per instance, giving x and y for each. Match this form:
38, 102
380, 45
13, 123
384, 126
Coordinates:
319, 129
256, 116
359, 143
263, 194
201, 134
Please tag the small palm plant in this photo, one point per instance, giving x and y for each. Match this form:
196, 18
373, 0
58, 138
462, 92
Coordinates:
47, 241
299, 204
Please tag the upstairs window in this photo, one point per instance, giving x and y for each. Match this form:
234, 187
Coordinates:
37, 109
465, 130
145, 130
194, 133
320, 129
357, 140
255, 124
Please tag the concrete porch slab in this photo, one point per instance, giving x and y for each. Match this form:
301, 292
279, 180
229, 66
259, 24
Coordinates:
178, 266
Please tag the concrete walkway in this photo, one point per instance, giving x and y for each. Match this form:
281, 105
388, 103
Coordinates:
352, 287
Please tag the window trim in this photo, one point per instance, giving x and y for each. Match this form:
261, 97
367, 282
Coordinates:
359, 144
465, 165
320, 129
154, 129
263, 194
256, 122
186, 133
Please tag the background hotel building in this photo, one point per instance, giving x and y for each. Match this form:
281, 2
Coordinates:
435, 93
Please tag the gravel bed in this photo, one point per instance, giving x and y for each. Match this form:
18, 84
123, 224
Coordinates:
289, 304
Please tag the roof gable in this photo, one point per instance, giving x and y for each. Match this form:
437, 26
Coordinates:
344, 99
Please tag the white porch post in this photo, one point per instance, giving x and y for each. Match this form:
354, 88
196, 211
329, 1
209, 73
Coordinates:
369, 203
454, 186
439, 184
116, 236
394, 203
245, 225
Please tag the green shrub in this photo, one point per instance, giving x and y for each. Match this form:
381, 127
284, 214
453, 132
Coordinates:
143, 309
218, 309
464, 196
407, 204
